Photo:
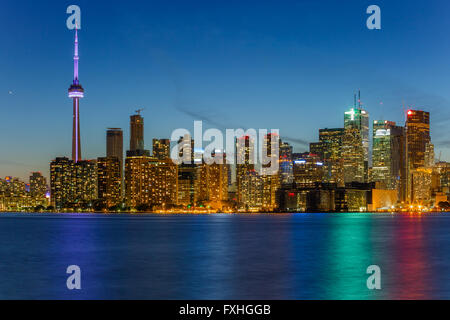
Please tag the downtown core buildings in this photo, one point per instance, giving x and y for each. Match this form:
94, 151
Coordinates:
340, 172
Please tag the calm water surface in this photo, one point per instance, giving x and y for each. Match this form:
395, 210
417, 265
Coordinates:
303, 256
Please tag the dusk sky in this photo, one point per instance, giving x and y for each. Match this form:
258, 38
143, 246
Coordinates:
288, 65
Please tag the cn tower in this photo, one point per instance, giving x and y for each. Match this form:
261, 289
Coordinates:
76, 92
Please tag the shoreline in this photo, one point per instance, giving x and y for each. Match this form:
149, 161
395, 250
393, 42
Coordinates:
218, 213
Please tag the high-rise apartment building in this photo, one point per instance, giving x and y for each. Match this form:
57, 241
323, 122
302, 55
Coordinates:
163, 182
61, 183
213, 189
137, 175
84, 177
109, 173
251, 191
421, 185
150, 181
73, 184
38, 185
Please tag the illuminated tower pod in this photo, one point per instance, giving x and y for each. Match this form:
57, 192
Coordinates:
76, 92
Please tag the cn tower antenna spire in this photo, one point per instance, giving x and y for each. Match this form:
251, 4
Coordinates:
76, 92
75, 58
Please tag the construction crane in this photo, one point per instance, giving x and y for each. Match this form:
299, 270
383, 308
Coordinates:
139, 111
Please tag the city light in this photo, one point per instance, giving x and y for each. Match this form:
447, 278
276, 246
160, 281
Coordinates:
334, 175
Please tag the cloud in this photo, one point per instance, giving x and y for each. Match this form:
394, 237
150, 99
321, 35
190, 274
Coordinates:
296, 140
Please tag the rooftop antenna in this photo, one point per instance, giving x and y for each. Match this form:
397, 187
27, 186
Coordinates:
139, 111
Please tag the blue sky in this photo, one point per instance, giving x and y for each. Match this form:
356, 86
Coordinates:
290, 65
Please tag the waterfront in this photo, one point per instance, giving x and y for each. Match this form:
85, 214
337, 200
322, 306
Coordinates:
299, 256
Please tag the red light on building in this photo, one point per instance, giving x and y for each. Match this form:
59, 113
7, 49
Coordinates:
291, 195
410, 113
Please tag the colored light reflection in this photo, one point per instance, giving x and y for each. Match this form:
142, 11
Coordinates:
349, 254
410, 265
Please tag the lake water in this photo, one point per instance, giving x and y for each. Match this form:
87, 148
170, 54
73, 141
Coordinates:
301, 256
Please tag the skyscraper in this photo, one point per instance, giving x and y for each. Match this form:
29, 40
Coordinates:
354, 166
331, 140
114, 149
137, 136
114, 144
418, 136
388, 157
76, 92
286, 164
245, 163
270, 172
417, 139
356, 144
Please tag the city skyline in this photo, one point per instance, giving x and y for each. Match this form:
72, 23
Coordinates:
333, 176
20, 162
